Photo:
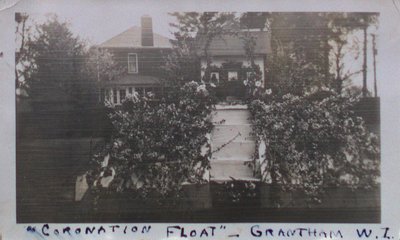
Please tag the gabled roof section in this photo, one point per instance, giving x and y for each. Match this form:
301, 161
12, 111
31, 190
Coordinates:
132, 38
231, 45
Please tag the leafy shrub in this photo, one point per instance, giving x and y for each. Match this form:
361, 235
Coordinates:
240, 191
235, 193
315, 142
157, 145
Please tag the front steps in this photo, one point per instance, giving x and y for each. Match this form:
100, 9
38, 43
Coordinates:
232, 144
227, 170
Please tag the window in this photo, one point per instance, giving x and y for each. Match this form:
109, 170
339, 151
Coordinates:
122, 95
132, 63
107, 95
215, 77
232, 76
130, 90
115, 97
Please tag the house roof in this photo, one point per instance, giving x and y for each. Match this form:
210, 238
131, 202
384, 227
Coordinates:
133, 80
231, 45
132, 38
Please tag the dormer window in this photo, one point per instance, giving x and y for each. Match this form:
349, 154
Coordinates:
232, 76
132, 63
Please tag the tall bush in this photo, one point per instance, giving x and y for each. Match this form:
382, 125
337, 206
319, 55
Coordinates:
157, 146
315, 142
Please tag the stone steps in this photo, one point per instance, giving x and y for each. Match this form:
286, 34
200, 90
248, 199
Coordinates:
233, 144
233, 150
231, 116
224, 133
225, 170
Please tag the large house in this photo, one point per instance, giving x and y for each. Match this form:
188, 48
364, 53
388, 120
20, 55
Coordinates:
141, 52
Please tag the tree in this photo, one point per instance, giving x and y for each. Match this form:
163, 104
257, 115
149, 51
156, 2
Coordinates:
342, 26
22, 53
182, 63
57, 59
99, 66
314, 45
200, 29
293, 73
61, 65
253, 83
299, 61
338, 66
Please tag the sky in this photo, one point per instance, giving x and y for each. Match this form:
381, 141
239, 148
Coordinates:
97, 28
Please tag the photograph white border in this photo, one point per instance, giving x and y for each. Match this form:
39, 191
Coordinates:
389, 91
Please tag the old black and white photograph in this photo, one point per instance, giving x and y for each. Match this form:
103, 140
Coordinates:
198, 116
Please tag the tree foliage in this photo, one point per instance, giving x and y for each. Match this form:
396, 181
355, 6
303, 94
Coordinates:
98, 66
198, 30
309, 48
254, 83
58, 58
23, 67
182, 64
342, 26
101, 66
299, 60
52, 61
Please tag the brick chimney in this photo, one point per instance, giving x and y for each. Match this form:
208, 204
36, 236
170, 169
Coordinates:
147, 31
